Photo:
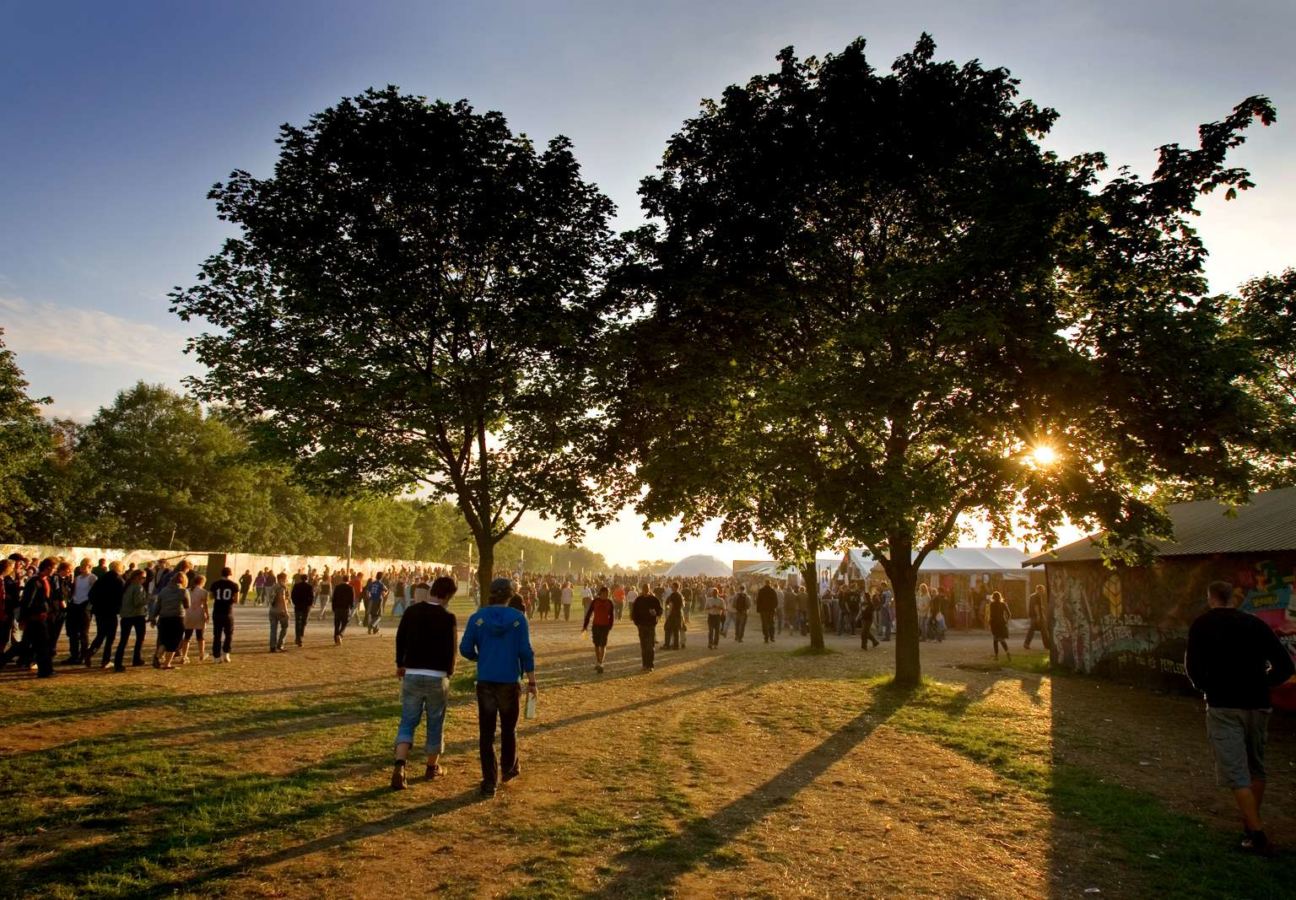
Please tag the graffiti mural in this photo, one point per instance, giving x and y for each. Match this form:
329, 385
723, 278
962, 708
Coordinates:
1132, 622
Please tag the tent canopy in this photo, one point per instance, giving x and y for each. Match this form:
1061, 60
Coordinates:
1005, 561
700, 565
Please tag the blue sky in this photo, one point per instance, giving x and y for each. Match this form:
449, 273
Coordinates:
117, 118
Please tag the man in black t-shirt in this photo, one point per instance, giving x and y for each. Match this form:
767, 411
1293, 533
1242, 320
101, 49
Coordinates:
344, 599
425, 660
224, 594
1234, 659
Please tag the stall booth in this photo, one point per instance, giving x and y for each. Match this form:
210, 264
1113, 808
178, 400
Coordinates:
1131, 622
964, 576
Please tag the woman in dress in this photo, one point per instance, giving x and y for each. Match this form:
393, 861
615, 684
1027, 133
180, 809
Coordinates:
172, 601
999, 623
195, 620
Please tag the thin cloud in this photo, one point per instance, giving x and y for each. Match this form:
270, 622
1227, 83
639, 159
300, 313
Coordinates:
92, 337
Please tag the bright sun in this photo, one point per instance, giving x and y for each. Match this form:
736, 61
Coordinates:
1044, 455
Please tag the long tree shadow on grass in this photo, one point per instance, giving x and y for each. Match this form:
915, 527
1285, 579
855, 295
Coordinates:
397, 820
655, 870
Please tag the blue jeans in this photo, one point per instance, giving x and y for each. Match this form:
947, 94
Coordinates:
419, 693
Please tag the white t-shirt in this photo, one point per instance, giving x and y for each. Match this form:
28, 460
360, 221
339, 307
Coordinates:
566, 596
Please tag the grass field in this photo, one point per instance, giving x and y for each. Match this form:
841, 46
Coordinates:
751, 771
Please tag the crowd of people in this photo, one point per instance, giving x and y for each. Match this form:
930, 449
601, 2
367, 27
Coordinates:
51, 599
114, 601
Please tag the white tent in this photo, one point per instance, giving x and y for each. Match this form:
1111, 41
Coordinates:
1003, 561
700, 565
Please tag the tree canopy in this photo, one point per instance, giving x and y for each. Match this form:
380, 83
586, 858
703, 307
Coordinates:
865, 298
24, 440
410, 302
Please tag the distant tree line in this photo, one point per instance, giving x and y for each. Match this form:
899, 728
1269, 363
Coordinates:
155, 470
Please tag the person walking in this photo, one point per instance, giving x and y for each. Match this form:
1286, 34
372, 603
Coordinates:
343, 599
766, 607
603, 613
276, 594
1234, 659
375, 594
195, 620
36, 614
741, 608
498, 640
245, 586
715, 610
303, 600
105, 605
77, 614
224, 594
645, 610
134, 612
1035, 610
425, 661
323, 592
674, 618
867, 609
999, 623
566, 597
172, 601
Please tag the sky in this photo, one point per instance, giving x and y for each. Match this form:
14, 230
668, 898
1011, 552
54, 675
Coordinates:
116, 119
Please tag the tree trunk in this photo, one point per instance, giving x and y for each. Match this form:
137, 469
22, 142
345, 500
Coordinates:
485, 567
904, 580
812, 606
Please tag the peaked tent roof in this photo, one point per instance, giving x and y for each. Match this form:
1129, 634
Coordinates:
971, 560
707, 566
1205, 528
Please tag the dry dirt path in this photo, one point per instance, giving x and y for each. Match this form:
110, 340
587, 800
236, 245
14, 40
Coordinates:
748, 771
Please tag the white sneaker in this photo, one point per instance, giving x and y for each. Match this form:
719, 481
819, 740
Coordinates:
227, 657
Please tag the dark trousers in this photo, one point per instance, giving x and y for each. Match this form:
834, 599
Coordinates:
300, 616
105, 631
127, 623
340, 619
647, 641
673, 633
497, 702
866, 634
1030, 634
740, 625
767, 625
222, 634
40, 644
78, 631
713, 630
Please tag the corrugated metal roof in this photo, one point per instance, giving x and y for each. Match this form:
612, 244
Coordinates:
1204, 528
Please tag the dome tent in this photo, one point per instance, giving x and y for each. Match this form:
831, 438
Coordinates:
693, 566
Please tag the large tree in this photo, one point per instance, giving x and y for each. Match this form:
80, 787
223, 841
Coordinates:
24, 441
890, 265
410, 303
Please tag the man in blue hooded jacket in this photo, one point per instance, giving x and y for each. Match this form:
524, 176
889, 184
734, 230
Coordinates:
498, 640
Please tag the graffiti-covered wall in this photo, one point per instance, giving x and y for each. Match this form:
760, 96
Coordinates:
1132, 622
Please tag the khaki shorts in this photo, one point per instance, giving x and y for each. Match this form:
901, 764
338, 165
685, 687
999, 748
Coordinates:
1237, 737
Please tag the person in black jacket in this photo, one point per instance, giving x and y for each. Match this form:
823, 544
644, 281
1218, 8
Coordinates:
674, 618
105, 605
644, 612
425, 659
766, 607
303, 601
37, 613
344, 599
1234, 659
